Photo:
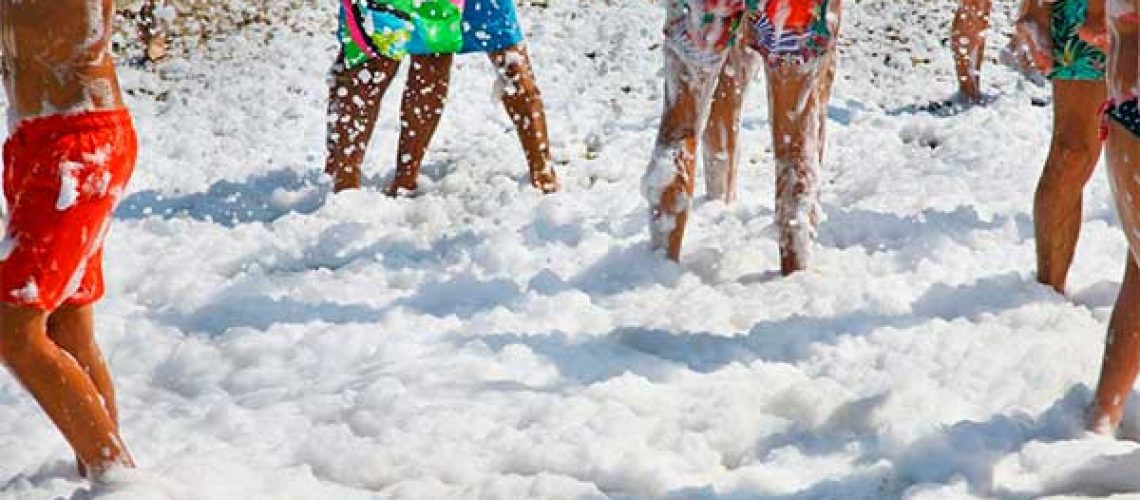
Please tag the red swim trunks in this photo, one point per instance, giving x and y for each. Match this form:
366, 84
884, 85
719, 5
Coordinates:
63, 176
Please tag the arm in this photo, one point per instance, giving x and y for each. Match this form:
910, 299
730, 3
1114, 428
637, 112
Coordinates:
1030, 47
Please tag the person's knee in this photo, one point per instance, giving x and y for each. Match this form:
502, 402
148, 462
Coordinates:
1066, 172
665, 169
797, 146
972, 8
673, 135
515, 73
1075, 159
435, 66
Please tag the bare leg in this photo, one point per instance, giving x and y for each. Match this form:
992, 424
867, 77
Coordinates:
72, 328
968, 41
61, 387
425, 96
354, 102
669, 180
720, 144
1124, 58
152, 31
797, 99
1072, 157
1122, 350
523, 102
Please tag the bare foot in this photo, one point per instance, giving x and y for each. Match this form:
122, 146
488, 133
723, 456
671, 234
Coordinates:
1099, 422
970, 93
545, 180
156, 49
399, 186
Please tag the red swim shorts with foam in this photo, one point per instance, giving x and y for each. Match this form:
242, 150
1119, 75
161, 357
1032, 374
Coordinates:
63, 176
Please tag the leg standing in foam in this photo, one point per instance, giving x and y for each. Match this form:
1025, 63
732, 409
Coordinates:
66, 166
1122, 349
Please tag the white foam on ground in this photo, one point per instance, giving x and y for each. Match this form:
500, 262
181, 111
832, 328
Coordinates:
483, 341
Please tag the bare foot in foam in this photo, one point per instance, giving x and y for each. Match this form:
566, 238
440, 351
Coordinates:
1099, 422
545, 180
401, 185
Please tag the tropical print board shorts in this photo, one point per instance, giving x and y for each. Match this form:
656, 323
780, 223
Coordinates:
784, 32
397, 28
1073, 58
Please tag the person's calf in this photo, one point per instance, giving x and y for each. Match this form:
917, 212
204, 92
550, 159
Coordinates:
797, 98
152, 31
968, 42
421, 108
354, 102
668, 185
797, 212
523, 102
1121, 358
60, 387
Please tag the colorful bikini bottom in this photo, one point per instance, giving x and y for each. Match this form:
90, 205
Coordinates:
1126, 114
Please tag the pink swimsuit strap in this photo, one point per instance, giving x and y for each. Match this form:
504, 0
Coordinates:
355, 28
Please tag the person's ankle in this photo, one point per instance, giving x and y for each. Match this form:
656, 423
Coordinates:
99, 473
970, 92
400, 186
544, 180
156, 49
1100, 421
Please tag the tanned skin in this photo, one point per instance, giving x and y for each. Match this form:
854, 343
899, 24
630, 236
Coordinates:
1028, 45
355, 103
1122, 349
798, 97
56, 59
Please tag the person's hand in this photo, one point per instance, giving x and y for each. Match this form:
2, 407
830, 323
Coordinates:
1030, 49
1095, 29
